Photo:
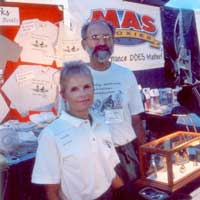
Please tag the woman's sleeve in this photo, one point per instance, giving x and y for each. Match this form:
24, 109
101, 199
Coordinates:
47, 162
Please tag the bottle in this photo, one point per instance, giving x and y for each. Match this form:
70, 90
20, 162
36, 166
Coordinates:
147, 98
155, 99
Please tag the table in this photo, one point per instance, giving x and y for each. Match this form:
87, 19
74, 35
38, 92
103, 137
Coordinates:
161, 125
17, 180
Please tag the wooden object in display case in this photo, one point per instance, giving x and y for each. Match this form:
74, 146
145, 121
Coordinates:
166, 163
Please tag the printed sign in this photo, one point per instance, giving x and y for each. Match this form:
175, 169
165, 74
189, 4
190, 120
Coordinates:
138, 36
9, 16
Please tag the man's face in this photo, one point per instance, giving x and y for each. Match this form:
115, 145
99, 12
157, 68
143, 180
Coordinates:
99, 42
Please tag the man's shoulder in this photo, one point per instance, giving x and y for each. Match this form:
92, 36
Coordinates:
117, 67
121, 72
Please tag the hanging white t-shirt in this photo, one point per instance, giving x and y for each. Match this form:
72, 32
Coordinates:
32, 87
116, 99
38, 39
68, 45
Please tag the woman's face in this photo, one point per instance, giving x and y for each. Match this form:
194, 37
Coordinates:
78, 93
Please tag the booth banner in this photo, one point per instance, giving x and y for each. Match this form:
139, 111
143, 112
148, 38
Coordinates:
197, 19
138, 37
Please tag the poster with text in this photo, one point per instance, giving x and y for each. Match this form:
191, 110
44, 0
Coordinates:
138, 36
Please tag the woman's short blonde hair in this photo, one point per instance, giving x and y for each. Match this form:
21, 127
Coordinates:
73, 68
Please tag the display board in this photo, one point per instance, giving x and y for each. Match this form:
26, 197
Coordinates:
28, 39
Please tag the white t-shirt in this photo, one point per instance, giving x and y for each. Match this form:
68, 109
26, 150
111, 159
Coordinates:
78, 156
117, 98
37, 43
32, 87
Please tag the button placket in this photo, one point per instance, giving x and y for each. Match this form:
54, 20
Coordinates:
92, 138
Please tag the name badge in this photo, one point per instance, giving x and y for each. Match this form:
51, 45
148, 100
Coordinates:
114, 116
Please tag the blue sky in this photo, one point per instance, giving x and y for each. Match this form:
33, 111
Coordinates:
190, 4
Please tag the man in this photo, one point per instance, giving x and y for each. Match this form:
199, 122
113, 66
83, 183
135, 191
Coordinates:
117, 97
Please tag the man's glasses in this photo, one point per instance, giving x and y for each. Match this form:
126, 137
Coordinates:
97, 38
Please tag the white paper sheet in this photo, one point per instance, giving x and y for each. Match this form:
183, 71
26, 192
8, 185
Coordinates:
9, 16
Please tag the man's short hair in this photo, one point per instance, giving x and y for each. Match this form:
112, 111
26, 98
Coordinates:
87, 24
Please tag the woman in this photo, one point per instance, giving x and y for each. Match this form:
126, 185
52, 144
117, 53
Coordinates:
76, 158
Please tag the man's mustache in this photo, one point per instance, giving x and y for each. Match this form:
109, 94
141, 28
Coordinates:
101, 48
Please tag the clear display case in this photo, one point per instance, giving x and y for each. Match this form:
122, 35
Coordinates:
170, 162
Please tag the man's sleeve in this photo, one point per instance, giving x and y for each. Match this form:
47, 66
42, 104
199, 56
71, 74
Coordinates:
135, 99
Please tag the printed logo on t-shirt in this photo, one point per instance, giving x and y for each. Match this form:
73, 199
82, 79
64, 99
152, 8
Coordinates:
107, 143
108, 99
